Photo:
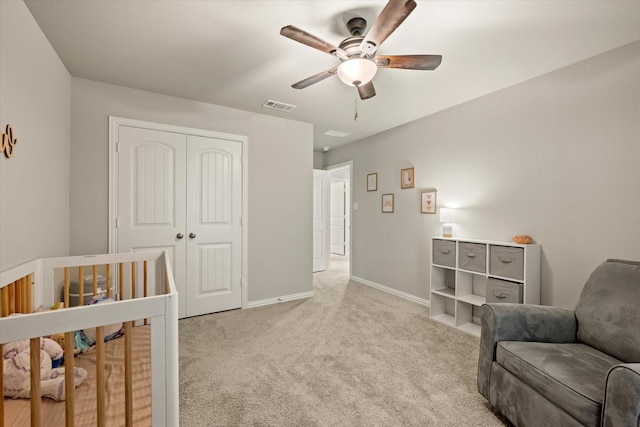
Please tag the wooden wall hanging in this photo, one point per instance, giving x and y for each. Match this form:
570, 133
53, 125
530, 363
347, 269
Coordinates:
8, 142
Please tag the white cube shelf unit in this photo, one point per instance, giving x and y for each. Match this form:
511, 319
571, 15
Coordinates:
466, 273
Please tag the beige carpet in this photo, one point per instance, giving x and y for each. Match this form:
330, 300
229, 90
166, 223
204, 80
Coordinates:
349, 356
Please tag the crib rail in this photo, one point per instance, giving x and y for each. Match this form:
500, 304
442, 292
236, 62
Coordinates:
33, 282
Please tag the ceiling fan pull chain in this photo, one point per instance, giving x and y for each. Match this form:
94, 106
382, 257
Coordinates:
355, 106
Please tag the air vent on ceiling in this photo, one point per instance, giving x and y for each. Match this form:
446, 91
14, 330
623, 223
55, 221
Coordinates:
280, 106
336, 133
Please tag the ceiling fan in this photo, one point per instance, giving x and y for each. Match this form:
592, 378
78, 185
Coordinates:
358, 53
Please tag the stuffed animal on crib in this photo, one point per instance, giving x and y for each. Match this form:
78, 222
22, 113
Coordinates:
17, 373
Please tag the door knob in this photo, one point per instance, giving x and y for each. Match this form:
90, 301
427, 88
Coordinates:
192, 235
179, 235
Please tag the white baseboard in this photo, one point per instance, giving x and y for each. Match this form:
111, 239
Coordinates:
277, 300
392, 291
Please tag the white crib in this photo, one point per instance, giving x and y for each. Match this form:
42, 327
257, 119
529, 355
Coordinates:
146, 303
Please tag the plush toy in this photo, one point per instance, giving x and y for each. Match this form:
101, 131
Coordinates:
17, 374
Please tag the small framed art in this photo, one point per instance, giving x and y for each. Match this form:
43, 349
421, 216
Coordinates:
387, 203
406, 178
372, 182
428, 202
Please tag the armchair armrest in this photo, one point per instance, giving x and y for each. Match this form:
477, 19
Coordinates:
621, 406
520, 322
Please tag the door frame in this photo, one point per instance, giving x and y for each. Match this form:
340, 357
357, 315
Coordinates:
115, 122
350, 207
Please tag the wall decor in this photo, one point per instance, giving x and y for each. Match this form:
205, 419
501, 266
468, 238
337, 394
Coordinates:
428, 202
8, 142
406, 178
387, 203
372, 182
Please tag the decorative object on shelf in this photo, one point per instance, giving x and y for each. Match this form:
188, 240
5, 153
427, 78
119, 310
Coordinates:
387, 203
428, 202
447, 217
372, 182
523, 239
8, 142
406, 178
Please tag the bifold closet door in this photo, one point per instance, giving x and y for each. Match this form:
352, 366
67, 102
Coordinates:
183, 194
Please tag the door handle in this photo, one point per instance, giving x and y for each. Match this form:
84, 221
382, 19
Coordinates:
179, 236
192, 235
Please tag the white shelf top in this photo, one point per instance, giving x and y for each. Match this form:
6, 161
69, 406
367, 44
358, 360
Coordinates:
471, 328
446, 292
488, 242
472, 299
446, 319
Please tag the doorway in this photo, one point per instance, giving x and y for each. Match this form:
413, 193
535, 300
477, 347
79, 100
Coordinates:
340, 215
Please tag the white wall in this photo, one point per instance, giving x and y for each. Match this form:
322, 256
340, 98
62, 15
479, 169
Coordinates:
35, 99
280, 178
557, 157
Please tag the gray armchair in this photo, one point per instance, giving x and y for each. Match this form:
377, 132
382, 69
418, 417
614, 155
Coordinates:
550, 366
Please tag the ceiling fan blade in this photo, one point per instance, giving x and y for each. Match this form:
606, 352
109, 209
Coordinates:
315, 78
366, 91
301, 36
393, 14
409, 62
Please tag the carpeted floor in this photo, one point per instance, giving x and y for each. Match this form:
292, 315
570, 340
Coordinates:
350, 356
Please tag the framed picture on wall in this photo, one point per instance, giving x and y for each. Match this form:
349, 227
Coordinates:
387, 203
372, 182
406, 178
428, 202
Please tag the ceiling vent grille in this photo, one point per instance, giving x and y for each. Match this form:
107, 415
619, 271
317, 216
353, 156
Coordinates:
277, 105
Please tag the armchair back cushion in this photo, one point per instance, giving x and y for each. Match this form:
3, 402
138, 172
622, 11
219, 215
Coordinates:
607, 311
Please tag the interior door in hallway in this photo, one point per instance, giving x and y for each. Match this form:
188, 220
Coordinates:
183, 194
338, 218
320, 220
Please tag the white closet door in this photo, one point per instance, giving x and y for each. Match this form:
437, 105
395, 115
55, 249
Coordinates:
151, 195
214, 228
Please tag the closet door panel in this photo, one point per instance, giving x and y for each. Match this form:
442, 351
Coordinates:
214, 224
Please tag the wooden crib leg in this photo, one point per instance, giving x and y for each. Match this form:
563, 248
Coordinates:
100, 380
36, 410
69, 379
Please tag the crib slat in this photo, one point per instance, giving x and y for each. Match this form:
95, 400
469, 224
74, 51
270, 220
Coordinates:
29, 296
18, 297
80, 286
95, 280
133, 280
12, 298
67, 281
5, 301
36, 409
108, 280
128, 375
69, 380
100, 380
121, 282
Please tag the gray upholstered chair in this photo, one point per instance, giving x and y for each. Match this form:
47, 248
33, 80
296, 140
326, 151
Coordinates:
550, 366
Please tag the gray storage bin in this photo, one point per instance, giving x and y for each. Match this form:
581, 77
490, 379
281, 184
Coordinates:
472, 257
503, 291
444, 253
506, 261
74, 290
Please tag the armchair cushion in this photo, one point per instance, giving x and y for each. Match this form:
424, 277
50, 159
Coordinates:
572, 376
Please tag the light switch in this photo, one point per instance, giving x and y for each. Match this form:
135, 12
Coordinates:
355, 206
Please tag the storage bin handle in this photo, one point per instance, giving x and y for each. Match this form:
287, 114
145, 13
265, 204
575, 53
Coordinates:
471, 254
501, 296
444, 251
505, 260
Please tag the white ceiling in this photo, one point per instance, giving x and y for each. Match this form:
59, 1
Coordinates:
230, 52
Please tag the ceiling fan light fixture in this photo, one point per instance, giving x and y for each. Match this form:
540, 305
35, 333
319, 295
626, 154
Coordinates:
357, 71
